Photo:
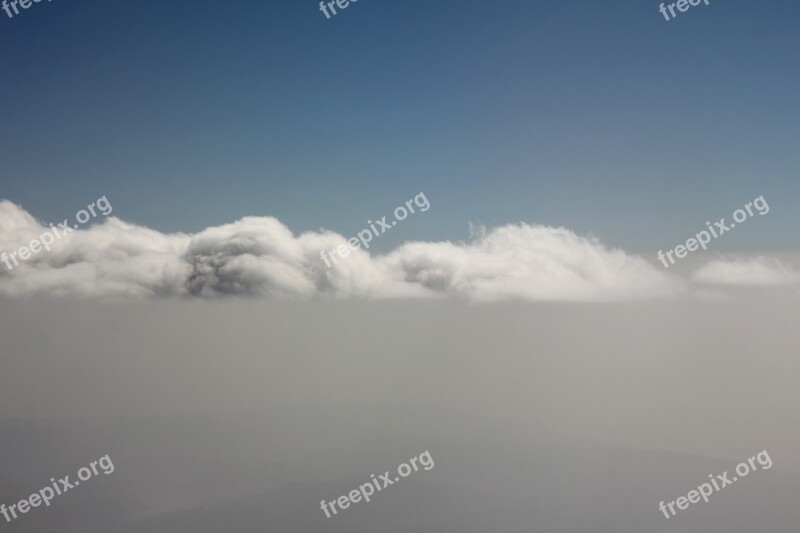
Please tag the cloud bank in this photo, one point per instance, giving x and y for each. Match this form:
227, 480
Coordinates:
756, 271
260, 256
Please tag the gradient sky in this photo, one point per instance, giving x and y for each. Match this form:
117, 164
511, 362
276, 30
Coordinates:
598, 116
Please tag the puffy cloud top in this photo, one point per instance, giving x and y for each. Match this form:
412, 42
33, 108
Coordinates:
259, 256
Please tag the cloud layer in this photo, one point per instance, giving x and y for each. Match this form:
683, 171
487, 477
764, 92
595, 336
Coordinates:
259, 256
758, 271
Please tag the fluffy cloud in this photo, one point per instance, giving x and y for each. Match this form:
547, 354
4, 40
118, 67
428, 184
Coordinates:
530, 262
259, 256
760, 270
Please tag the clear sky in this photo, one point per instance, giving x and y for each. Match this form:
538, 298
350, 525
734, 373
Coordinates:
602, 117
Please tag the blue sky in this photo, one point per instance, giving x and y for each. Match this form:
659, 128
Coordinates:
598, 116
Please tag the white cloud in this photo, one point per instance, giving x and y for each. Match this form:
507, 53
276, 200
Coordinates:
753, 271
533, 263
259, 256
